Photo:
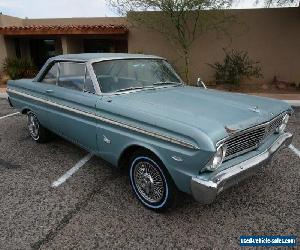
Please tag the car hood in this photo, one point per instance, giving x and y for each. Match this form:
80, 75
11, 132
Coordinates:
210, 111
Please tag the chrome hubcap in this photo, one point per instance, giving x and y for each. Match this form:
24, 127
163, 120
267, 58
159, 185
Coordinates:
33, 126
149, 182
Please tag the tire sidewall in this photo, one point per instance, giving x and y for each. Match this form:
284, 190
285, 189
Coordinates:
158, 205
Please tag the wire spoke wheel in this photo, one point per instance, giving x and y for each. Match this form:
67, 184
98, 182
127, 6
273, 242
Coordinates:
33, 126
149, 182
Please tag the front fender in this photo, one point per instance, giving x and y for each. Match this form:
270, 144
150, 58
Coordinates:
181, 162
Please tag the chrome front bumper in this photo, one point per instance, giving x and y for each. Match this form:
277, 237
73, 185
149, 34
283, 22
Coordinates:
205, 191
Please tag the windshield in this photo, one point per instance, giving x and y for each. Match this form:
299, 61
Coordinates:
130, 74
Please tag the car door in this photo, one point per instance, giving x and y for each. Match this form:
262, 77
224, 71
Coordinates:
73, 105
38, 90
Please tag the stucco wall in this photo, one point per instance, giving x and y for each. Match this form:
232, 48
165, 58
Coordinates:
3, 52
271, 36
6, 44
10, 21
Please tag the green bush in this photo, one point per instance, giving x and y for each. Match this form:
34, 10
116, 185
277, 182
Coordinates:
236, 66
17, 68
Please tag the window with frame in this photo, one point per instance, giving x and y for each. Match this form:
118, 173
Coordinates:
71, 75
75, 76
51, 76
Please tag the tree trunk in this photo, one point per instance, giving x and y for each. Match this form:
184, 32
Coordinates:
187, 67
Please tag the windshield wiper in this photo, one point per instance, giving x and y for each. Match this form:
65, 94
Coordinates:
166, 83
128, 89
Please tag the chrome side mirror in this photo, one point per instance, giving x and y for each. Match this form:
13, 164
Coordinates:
200, 83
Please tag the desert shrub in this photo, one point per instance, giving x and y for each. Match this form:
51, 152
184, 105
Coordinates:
17, 68
3, 78
236, 66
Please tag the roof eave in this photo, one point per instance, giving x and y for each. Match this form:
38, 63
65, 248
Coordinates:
63, 30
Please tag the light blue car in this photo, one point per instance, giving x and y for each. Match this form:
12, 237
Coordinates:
135, 112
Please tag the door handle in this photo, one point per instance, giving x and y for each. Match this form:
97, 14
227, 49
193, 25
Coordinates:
49, 91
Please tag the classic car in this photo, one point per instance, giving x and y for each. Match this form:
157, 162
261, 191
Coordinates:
135, 112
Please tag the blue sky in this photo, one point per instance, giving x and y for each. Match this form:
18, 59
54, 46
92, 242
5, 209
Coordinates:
70, 8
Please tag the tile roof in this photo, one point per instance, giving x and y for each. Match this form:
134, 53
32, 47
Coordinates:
64, 29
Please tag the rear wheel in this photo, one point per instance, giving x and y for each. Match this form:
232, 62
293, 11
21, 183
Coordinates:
37, 132
151, 182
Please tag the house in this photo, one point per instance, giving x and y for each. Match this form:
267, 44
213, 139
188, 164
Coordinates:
270, 36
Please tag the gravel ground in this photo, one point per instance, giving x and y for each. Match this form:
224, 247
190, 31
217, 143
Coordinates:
5, 109
95, 208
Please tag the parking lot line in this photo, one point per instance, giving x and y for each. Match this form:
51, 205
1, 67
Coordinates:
6, 116
72, 171
295, 150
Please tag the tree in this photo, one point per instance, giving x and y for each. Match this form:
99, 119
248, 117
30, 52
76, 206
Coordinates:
181, 21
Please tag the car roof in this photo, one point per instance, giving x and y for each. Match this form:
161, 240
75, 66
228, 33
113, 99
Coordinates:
86, 57
102, 56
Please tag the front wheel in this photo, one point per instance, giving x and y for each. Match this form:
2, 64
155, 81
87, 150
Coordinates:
37, 132
151, 182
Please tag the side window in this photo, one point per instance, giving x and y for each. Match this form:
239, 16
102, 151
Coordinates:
51, 76
71, 75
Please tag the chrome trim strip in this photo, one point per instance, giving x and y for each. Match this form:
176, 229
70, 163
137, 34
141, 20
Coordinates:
110, 121
93, 78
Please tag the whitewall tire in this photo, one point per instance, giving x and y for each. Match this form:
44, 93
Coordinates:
150, 181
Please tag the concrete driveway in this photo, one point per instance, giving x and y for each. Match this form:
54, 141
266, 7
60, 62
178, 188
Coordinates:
95, 208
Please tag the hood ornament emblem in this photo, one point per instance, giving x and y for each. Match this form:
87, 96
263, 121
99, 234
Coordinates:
230, 130
255, 109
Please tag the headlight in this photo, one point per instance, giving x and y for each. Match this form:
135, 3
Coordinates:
284, 123
217, 159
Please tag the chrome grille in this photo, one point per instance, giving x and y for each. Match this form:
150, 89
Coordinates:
251, 138
274, 124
